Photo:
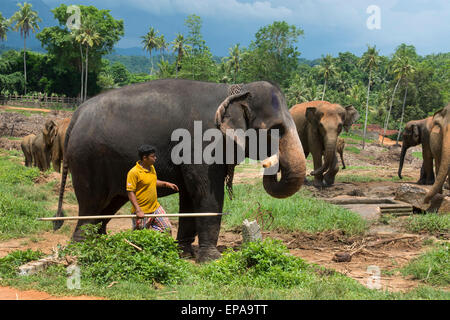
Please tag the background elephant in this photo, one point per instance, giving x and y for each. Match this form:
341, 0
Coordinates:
58, 144
340, 150
440, 147
41, 152
415, 132
104, 134
319, 124
26, 149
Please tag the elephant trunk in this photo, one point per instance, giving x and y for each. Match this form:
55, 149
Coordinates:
443, 168
292, 164
330, 153
402, 159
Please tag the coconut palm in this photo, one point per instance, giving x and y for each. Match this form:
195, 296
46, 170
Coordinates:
234, 60
25, 20
406, 68
89, 37
162, 45
4, 26
327, 69
401, 68
369, 61
150, 42
179, 47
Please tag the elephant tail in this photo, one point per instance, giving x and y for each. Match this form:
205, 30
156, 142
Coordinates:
60, 213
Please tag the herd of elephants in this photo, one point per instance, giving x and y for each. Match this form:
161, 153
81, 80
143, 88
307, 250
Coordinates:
98, 145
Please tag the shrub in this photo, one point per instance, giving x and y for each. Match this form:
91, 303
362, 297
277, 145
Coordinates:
10, 263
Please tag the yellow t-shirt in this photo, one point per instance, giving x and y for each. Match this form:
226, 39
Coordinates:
143, 183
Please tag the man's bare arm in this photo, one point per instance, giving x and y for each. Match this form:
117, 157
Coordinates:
165, 184
133, 200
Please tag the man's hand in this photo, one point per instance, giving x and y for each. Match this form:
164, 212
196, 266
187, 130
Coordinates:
172, 186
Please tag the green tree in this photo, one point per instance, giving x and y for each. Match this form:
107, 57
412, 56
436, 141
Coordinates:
273, 54
179, 47
60, 42
25, 20
369, 61
327, 69
151, 42
406, 69
234, 60
4, 27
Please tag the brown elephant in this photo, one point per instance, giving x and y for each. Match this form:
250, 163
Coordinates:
26, 149
319, 124
340, 150
414, 133
440, 148
58, 144
41, 152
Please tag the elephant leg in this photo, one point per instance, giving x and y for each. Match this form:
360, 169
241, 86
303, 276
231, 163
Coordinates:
342, 159
116, 203
423, 176
317, 160
427, 165
186, 227
205, 186
331, 174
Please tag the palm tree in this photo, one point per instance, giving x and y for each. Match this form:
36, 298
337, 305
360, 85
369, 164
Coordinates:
89, 37
235, 60
150, 42
406, 69
162, 45
4, 26
327, 69
26, 20
400, 60
178, 46
369, 61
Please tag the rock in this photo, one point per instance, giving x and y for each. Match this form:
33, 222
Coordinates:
414, 195
342, 257
250, 231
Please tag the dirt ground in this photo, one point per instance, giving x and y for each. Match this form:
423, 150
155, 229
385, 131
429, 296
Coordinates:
387, 247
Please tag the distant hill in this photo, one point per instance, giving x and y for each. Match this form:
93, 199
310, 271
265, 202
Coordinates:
8, 7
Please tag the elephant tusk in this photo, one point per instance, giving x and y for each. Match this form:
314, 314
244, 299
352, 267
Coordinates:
271, 161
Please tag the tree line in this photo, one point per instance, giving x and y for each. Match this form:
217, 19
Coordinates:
386, 90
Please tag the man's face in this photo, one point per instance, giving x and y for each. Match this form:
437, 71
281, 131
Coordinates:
149, 159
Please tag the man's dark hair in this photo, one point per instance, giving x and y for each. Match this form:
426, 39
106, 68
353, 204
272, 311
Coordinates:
145, 150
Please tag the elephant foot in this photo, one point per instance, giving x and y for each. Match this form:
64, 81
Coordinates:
318, 184
187, 251
206, 254
328, 182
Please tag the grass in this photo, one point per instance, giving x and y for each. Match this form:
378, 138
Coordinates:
417, 154
432, 267
258, 271
368, 178
20, 201
430, 223
352, 149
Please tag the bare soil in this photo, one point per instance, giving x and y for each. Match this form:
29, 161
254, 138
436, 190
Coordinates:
372, 249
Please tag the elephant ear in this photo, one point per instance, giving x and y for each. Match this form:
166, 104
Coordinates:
313, 115
50, 131
351, 115
234, 112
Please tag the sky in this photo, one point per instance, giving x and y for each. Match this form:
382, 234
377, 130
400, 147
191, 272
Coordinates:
330, 26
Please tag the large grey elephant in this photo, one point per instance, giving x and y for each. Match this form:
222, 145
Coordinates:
319, 124
104, 134
440, 148
418, 132
26, 149
56, 139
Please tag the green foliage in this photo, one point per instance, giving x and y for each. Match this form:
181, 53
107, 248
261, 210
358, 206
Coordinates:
107, 258
431, 223
265, 264
432, 267
10, 263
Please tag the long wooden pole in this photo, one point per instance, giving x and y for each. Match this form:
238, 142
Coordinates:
169, 215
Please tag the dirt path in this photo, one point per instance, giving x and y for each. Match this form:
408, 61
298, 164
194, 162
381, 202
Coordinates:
25, 109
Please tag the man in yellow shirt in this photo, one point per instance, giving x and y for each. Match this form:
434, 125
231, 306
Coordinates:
141, 189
